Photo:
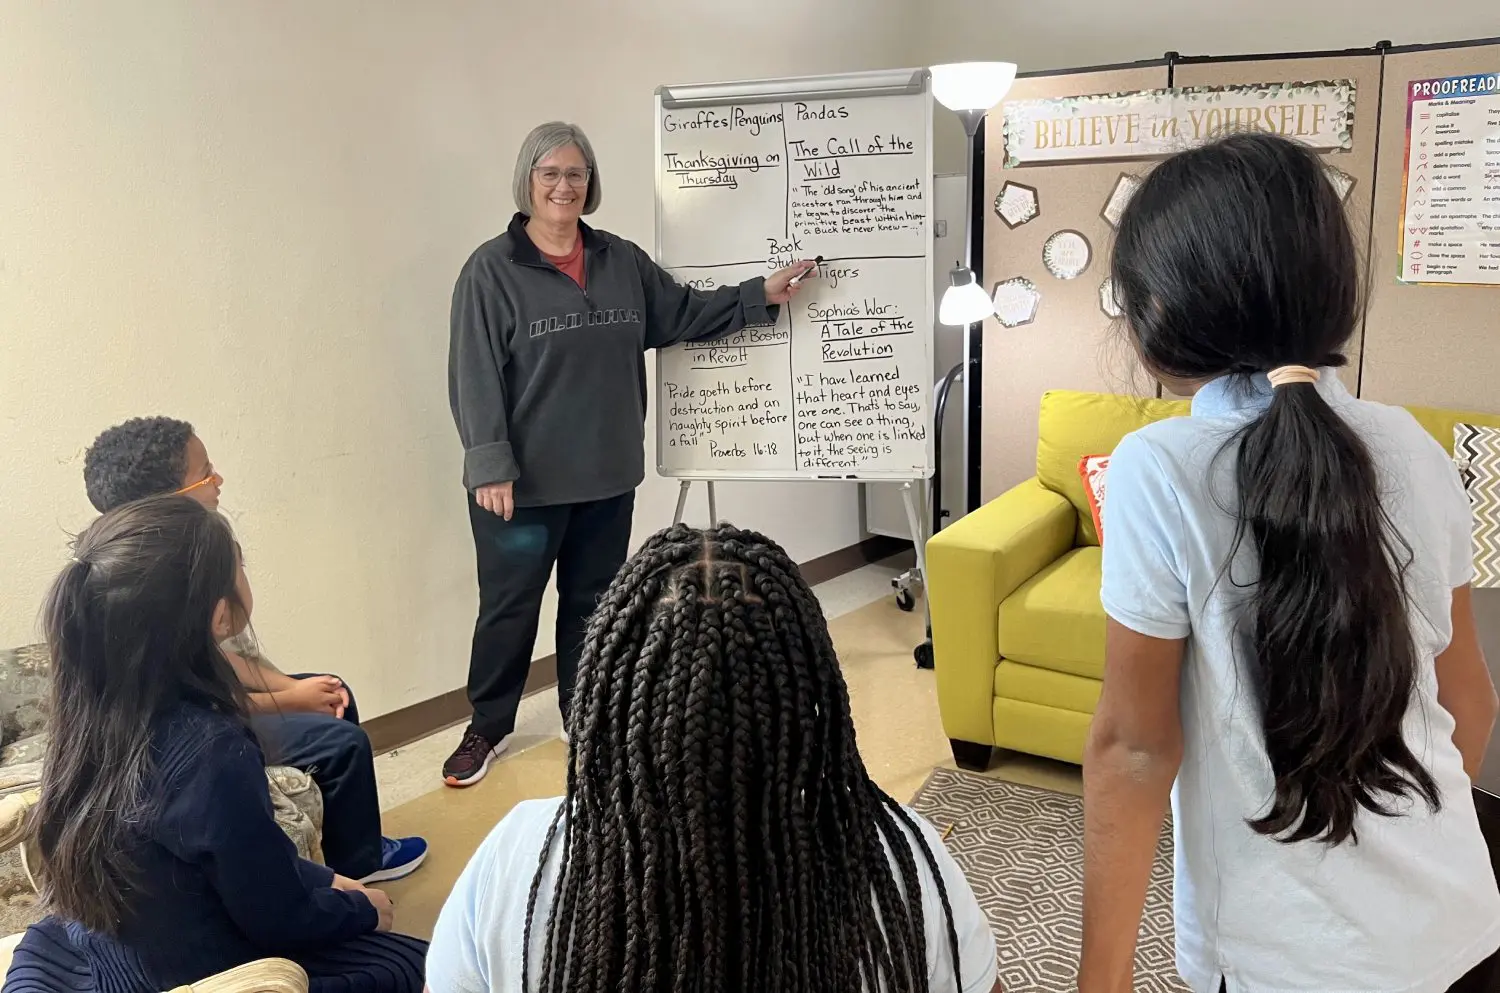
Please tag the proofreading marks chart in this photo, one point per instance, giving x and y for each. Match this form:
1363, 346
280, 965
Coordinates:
1450, 231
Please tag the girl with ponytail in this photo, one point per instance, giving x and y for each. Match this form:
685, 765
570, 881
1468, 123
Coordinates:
1290, 634
161, 862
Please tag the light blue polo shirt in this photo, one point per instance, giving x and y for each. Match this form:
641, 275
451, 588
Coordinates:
1413, 906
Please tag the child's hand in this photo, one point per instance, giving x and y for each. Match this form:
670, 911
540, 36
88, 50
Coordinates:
384, 906
315, 695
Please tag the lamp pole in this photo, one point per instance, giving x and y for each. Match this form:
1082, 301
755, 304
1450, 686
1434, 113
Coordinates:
973, 333
971, 120
970, 89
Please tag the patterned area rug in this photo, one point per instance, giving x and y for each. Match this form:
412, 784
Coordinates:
1022, 851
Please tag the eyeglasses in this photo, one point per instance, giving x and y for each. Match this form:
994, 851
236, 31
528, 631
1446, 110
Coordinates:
551, 176
213, 478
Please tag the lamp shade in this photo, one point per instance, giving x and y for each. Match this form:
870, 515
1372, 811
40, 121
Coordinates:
964, 301
964, 86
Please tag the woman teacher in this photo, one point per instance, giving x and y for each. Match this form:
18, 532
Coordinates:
547, 380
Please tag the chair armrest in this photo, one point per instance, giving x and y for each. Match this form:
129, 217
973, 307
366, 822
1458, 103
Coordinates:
265, 976
972, 565
15, 817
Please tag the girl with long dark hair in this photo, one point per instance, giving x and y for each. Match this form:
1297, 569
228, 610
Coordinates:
719, 830
160, 858
1290, 638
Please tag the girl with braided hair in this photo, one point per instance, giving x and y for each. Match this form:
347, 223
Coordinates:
719, 831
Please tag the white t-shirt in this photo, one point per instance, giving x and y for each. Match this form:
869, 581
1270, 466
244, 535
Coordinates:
1413, 906
476, 947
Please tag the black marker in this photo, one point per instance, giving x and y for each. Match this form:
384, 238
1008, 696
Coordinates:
806, 272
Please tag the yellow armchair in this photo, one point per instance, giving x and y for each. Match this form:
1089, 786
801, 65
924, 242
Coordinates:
1017, 626
973, 566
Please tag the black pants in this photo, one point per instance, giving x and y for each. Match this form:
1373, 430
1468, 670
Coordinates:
588, 543
336, 753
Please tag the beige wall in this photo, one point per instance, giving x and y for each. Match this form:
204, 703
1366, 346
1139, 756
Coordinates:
1070, 34
249, 214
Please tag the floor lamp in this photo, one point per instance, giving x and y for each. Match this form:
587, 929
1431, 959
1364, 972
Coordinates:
969, 89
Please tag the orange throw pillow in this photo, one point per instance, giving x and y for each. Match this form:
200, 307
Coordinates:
1092, 469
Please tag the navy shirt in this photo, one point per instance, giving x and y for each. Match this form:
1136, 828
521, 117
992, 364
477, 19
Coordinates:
220, 884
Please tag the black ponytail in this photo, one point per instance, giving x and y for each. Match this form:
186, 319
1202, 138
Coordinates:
1330, 645
1236, 258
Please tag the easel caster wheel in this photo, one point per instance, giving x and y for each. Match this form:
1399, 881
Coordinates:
923, 654
906, 600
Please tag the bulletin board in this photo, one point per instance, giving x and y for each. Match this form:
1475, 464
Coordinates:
1433, 345
1066, 342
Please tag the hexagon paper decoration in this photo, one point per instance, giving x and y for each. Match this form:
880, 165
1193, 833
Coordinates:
1108, 302
1016, 301
1341, 180
1017, 203
1125, 188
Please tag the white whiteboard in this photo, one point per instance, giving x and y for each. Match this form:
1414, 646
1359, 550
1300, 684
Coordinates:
751, 177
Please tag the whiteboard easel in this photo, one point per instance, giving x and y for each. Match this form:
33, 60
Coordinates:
751, 177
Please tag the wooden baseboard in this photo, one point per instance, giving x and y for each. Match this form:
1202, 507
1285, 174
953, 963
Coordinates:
413, 723
835, 564
402, 727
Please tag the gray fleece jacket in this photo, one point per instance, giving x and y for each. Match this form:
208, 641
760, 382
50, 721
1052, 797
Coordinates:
547, 381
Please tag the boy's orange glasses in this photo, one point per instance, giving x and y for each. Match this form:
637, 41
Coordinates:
212, 477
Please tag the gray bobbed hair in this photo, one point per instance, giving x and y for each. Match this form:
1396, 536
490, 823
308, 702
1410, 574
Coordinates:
542, 142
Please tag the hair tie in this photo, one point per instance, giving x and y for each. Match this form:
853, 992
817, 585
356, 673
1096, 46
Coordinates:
1288, 374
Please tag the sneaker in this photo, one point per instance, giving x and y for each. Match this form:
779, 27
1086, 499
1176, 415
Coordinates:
399, 858
471, 760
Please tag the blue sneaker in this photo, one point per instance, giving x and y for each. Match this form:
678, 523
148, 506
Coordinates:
400, 857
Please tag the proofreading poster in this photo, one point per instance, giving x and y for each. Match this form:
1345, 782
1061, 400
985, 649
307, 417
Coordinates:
1450, 223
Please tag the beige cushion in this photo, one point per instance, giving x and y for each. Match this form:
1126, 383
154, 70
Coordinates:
297, 804
264, 976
